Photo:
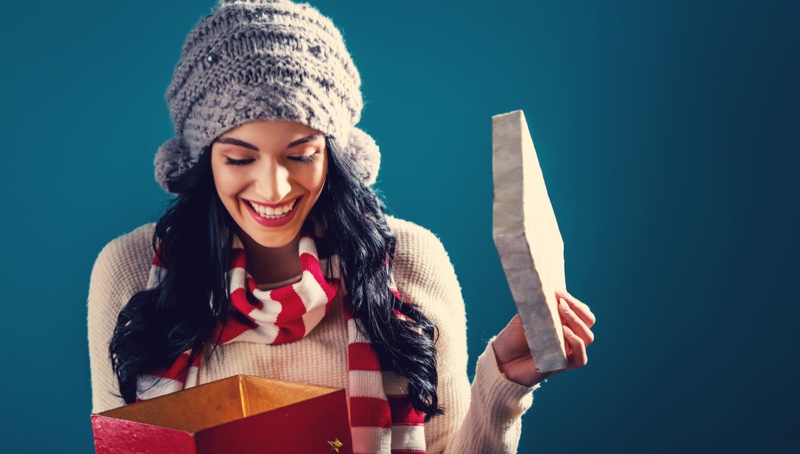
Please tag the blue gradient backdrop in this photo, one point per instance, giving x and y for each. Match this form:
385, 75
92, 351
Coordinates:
667, 131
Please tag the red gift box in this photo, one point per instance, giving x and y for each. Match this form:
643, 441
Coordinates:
239, 414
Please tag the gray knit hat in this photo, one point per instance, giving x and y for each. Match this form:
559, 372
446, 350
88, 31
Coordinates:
263, 59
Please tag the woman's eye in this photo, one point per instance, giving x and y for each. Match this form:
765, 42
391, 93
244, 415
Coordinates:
237, 162
305, 159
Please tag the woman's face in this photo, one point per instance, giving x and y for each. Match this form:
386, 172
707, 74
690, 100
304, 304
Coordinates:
268, 175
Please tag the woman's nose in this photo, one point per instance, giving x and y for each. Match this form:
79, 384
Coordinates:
273, 183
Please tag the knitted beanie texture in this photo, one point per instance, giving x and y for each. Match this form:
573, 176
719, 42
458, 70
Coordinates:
263, 59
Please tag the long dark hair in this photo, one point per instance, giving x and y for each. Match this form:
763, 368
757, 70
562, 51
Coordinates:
193, 239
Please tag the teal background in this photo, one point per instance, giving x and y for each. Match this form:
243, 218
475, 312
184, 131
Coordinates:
667, 132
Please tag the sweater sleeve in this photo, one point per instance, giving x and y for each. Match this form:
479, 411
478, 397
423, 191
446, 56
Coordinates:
483, 417
119, 272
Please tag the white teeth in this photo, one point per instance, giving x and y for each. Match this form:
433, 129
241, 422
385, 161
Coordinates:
273, 212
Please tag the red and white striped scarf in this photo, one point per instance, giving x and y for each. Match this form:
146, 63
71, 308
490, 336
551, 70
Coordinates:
382, 419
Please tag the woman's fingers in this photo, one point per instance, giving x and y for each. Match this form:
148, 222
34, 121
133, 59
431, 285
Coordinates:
578, 356
510, 344
514, 356
581, 309
570, 318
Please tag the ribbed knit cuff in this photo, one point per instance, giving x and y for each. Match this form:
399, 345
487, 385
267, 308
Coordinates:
503, 399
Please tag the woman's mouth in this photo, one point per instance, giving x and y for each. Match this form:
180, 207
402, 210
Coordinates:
272, 216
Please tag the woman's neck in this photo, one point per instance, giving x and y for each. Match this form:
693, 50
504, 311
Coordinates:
271, 264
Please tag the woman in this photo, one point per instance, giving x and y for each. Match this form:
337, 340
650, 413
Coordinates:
276, 260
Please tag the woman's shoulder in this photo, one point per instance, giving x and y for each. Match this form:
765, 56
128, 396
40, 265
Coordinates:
412, 237
125, 261
421, 263
132, 246
137, 238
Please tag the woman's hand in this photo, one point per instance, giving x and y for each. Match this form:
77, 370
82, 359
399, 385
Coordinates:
514, 356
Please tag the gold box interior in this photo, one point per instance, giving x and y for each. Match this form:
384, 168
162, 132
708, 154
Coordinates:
218, 402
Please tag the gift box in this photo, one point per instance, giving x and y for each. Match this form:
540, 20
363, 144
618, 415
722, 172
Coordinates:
239, 414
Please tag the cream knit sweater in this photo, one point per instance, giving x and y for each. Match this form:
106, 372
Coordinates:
483, 419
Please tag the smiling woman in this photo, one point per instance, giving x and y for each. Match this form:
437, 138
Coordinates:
269, 174
275, 258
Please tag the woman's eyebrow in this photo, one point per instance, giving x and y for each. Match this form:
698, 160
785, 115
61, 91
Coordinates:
241, 143
304, 140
